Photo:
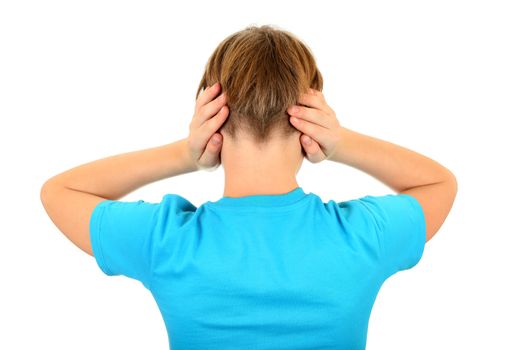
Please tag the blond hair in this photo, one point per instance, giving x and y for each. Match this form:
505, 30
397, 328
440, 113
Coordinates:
263, 70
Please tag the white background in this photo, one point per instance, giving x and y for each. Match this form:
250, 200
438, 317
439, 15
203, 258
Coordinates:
81, 81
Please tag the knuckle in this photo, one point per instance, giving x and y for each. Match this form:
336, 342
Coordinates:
204, 111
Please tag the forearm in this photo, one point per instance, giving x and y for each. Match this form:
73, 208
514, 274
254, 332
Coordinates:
397, 167
116, 176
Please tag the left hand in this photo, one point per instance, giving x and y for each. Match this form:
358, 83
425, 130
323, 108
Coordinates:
210, 113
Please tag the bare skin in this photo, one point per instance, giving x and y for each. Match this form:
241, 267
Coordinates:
251, 170
403, 170
323, 137
70, 197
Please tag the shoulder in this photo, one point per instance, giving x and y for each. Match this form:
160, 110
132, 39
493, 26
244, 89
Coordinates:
176, 209
177, 203
351, 212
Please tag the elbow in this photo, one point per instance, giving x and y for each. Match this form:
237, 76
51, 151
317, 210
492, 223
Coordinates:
46, 191
453, 181
452, 186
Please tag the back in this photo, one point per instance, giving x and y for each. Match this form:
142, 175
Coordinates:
261, 272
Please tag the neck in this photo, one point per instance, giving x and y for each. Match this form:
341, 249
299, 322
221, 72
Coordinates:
254, 184
250, 170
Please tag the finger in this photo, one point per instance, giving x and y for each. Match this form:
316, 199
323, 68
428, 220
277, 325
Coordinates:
312, 149
316, 132
213, 124
210, 156
206, 130
207, 95
313, 100
309, 114
210, 109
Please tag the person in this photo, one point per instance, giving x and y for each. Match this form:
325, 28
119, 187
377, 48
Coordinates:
268, 265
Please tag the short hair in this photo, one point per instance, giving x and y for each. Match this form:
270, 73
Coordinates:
263, 70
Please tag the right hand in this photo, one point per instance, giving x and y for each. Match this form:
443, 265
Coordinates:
319, 125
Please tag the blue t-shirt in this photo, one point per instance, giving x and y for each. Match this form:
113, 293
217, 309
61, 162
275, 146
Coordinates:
284, 271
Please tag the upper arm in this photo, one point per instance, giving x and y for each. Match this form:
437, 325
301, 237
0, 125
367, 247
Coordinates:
118, 234
70, 211
399, 230
436, 201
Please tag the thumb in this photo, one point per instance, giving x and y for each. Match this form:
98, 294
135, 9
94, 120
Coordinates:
312, 149
210, 158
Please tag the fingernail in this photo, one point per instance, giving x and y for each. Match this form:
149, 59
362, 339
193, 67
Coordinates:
294, 109
216, 140
307, 140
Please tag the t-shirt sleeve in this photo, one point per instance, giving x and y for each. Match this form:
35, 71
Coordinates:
401, 229
121, 237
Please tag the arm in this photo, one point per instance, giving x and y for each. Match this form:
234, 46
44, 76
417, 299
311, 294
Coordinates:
116, 176
403, 170
70, 197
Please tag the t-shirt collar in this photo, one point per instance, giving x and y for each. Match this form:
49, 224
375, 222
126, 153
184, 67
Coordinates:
263, 200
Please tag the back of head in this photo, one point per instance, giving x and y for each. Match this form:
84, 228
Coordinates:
262, 70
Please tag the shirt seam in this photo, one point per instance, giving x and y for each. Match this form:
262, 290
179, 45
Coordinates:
148, 280
414, 203
99, 238
380, 237
181, 230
